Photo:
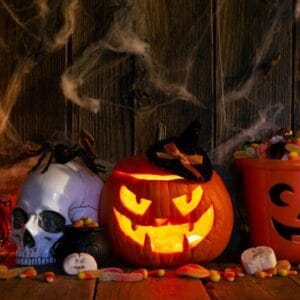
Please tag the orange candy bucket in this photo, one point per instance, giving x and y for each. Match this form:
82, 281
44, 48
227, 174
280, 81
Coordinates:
272, 194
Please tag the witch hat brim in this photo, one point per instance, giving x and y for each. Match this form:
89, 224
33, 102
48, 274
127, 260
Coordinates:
182, 155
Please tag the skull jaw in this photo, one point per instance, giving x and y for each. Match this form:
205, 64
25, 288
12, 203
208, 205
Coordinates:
69, 190
33, 256
38, 261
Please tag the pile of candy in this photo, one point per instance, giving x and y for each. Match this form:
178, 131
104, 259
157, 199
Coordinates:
24, 272
281, 144
85, 222
196, 271
117, 274
261, 262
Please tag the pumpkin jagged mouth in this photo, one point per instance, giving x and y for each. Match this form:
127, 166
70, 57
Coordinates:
168, 238
287, 232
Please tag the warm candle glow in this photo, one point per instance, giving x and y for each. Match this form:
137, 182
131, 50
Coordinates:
168, 238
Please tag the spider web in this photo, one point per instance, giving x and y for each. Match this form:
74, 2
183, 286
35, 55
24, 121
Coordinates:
48, 34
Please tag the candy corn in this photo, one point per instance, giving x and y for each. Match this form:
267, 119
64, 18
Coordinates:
157, 273
272, 271
293, 155
78, 223
229, 275
193, 270
11, 273
293, 272
286, 272
90, 274
283, 272
152, 273
85, 222
30, 273
144, 272
236, 270
49, 276
263, 274
85, 275
215, 275
283, 264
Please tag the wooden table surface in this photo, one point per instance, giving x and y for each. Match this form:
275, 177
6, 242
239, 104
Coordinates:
169, 287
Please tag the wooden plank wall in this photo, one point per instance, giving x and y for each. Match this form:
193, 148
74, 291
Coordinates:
232, 64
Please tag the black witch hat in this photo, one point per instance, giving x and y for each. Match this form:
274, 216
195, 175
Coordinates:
183, 155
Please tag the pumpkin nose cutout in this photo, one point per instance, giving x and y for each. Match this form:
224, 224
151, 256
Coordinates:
160, 221
298, 217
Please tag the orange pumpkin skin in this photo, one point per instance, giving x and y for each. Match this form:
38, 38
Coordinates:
167, 221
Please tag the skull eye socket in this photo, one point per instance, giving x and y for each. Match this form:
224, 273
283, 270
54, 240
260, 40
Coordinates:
20, 218
51, 221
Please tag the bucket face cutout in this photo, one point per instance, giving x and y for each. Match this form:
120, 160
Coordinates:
272, 194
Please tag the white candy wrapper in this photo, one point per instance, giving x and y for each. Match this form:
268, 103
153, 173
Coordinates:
258, 259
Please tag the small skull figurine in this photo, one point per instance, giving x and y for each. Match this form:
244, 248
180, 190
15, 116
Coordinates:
49, 201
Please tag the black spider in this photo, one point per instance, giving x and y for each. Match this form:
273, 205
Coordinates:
62, 154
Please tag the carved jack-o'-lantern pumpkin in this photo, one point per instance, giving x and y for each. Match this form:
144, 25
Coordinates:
156, 218
272, 191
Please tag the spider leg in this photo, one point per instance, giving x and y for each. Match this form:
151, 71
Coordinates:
38, 162
63, 154
48, 163
99, 168
42, 149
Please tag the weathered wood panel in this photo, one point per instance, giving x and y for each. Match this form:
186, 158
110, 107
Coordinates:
173, 83
254, 70
168, 287
229, 63
31, 70
296, 107
176, 82
107, 76
162, 288
284, 288
62, 288
36, 119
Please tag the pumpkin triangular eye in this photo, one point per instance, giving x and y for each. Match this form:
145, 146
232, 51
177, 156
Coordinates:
185, 207
128, 199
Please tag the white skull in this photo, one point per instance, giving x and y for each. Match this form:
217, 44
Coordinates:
48, 202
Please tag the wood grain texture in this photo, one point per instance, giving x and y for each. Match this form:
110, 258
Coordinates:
40, 106
109, 81
251, 35
63, 287
296, 63
151, 288
169, 287
252, 288
45, 112
252, 97
174, 86
216, 51
245, 288
284, 288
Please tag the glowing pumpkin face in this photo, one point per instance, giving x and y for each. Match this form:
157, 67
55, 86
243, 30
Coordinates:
155, 218
272, 192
